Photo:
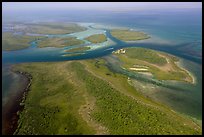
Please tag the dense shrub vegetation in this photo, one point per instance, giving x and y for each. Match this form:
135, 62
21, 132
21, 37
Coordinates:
123, 115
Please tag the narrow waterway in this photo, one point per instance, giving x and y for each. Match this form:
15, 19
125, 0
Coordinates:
182, 97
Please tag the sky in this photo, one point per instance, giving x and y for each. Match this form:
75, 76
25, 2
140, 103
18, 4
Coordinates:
104, 6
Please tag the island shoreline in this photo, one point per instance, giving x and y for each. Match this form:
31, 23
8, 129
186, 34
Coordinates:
12, 108
180, 64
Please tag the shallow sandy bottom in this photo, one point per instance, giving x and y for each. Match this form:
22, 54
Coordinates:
146, 73
87, 33
179, 63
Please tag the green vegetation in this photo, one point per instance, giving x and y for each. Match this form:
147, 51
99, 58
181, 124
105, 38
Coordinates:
173, 58
148, 55
16, 42
127, 35
51, 106
57, 28
156, 62
48, 28
59, 90
123, 115
170, 75
97, 38
77, 49
60, 42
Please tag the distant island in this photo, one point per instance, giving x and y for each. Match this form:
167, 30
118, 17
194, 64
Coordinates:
91, 99
12, 42
60, 42
86, 96
33, 32
157, 64
110, 68
128, 35
97, 38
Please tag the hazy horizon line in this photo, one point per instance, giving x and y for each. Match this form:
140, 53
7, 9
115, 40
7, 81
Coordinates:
100, 6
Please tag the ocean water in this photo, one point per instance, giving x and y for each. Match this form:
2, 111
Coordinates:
176, 32
12, 83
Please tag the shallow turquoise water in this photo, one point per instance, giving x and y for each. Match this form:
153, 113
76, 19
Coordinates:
174, 32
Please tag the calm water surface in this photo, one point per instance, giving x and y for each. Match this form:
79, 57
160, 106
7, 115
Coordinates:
174, 32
